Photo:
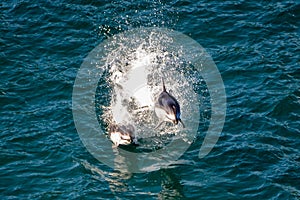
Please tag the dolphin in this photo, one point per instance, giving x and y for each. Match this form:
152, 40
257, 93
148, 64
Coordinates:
167, 108
122, 135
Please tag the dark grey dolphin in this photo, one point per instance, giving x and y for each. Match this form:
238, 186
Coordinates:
167, 108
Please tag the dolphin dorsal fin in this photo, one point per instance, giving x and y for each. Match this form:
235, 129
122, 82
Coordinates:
164, 87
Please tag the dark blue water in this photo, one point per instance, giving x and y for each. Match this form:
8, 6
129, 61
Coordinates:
256, 47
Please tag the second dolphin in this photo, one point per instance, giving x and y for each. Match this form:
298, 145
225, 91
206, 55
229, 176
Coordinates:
167, 108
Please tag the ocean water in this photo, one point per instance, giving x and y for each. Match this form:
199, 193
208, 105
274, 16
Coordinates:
256, 47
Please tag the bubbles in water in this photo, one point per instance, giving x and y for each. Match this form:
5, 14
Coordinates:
135, 77
119, 82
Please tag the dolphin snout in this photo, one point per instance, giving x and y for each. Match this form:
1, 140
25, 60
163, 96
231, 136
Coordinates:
175, 121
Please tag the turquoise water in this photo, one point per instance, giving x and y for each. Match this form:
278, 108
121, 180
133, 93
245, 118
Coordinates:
255, 45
